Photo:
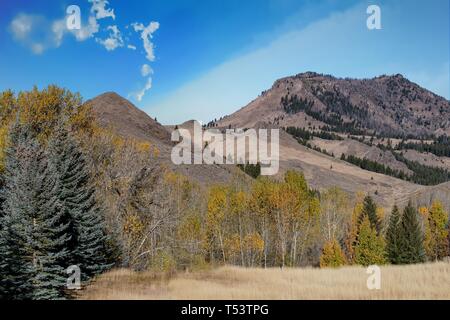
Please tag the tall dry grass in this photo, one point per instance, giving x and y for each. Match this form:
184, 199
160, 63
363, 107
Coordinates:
427, 281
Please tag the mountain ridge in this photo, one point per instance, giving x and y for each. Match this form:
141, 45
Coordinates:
321, 170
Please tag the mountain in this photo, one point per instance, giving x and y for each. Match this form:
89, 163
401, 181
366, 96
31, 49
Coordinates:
389, 106
111, 110
366, 119
386, 105
118, 114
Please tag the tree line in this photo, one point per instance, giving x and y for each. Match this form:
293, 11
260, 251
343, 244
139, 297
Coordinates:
423, 175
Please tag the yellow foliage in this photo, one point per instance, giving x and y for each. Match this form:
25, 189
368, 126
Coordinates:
254, 242
332, 255
436, 232
133, 226
3, 145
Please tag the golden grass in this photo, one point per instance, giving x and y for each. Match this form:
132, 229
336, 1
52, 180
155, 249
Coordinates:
427, 281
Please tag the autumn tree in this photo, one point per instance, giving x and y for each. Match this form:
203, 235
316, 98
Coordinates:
335, 214
436, 242
353, 228
332, 255
215, 217
262, 207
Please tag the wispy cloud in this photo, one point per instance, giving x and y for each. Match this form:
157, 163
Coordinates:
146, 36
100, 11
114, 40
27, 29
141, 93
146, 70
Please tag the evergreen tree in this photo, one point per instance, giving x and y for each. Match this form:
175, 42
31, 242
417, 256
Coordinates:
33, 237
393, 236
411, 238
88, 247
370, 248
370, 211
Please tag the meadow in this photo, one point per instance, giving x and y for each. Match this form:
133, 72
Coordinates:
422, 281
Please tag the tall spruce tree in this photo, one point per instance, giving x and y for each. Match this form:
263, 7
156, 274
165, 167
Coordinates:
370, 210
33, 237
411, 238
88, 247
393, 237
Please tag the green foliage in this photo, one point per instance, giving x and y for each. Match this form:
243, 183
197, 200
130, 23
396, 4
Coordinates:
370, 210
411, 238
49, 218
33, 238
253, 170
293, 104
393, 237
76, 194
439, 147
370, 247
422, 174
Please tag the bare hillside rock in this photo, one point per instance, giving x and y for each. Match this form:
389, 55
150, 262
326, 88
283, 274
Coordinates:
118, 114
391, 105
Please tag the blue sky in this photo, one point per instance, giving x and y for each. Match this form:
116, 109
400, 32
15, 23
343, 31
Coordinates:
205, 59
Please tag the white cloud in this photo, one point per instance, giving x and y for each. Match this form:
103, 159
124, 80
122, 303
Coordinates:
58, 29
114, 40
22, 25
141, 93
131, 47
146, 36
35, 32
87, 31
146, 70
99, 8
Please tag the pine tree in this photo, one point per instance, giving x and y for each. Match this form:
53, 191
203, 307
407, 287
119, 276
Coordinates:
33, 237
393, 236
411, 238
370, 248
370, 210
88, 247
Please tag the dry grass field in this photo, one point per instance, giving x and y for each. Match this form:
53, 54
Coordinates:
428, 281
